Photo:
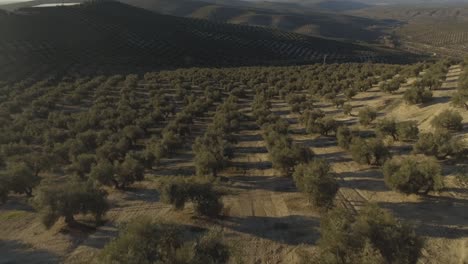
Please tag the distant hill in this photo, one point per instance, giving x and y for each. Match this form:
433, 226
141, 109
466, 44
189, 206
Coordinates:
111, 34
441, 30
305, 20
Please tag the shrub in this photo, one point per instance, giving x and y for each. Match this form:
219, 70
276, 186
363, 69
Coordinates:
366, 116
448, 119
68, 200
413, 175
371, 151
372, 236
206, 199
344, 137
440, 144
317, 181
417, 95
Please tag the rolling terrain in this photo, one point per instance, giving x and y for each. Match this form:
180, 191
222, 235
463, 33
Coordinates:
441, 30
110, 35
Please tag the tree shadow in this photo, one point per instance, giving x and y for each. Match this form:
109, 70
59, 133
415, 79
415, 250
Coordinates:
260, 165
437, 100
435, 216
250, 150
290, 230
249, 138
369, 180
272, 183
14, 251
334, 157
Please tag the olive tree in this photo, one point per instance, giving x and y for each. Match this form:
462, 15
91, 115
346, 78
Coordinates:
144, 241
366, 116
372, 236
344, 136
417, 95
369, 151
69, 199
440, 144
413, 175
206, 200
317, 181
210, 154
128, 172
448, 119
20, 178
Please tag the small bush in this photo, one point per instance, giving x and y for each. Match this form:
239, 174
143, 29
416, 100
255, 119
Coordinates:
317, 181
413, 175
366, 116
448, 119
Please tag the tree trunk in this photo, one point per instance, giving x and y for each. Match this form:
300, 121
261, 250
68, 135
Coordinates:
116, 184
28, 191
70, 220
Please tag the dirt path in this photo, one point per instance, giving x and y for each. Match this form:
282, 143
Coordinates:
267, 214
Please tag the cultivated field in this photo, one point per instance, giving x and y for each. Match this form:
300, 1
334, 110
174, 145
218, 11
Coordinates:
265, 218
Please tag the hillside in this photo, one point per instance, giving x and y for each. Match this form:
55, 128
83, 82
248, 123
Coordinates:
110, 35
441, 30
295, 18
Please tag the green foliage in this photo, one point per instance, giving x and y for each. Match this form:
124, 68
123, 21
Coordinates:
413, 175
440, 144
206, 199
82, 164
387, 127
210, 154
366, 116
373, 236
128, 172
315, 121
20, 178
69, 199
391, 86
347, 109
369, 151
344, 136
448, 119
402, 131
103, 173
143, 241
407, 130
417, 95
317, 181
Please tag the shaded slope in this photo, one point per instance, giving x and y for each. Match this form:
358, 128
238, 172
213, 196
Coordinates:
112, 34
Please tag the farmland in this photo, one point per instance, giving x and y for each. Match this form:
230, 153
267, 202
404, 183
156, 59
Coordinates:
157, 118
128, 136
